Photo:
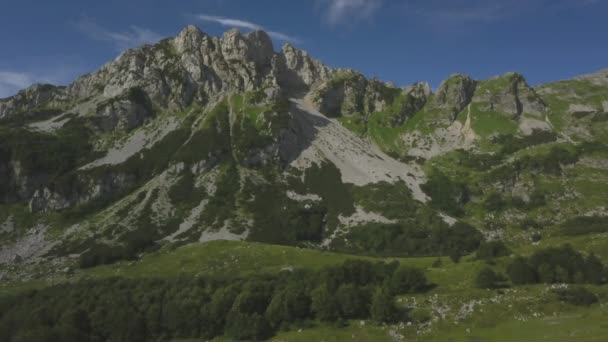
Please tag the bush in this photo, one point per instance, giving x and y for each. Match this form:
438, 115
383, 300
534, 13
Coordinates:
492, 249
582, 225
288, 305
438, 239
511, 144
407, 280
420, 315
488, 279
354, 301
383, 309
557, 265
324, 305
578, 295
521, 272
446, 194
494, 202
529, 223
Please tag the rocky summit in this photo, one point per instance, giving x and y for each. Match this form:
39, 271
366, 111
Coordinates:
170, 147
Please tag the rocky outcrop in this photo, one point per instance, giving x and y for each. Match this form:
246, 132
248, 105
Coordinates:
511, 95
349, 93
35, 97
298, 71
408, 102
342, 95
599, 78
124, 112
454, 94
79, 190
192, 67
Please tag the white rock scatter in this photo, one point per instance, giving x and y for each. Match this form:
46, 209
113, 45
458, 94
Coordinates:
359, 161
141, 139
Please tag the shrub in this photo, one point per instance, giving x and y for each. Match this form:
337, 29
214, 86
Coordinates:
407, 280
582, 225
494, 202
492, 249
324, 305
420, 315
354, 301
488, 279
576, 296
557, 265
521, 272
383, 309
446, 194
529, 223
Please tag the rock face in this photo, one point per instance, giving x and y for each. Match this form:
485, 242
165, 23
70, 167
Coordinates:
510, 94
36, 96
342, 95
599, 78
297, 70
347, 93
123, 112
454, 94
192, 67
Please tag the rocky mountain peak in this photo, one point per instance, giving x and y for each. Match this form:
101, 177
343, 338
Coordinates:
192, 66
510, 94
190, 38
255, 46
455, 93
34, 96
299, 70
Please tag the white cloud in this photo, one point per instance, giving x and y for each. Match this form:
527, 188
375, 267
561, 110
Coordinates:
11, 81
343, 11
133, 37
238, 23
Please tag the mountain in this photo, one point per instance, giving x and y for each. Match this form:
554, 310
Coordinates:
201, 138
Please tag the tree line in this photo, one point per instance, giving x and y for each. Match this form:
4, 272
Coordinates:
244, 308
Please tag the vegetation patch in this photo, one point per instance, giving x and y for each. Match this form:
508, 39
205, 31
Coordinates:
250, 308
582, 225
410, 239
557, 265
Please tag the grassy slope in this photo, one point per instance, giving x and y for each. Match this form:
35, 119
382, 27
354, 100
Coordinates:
508, 319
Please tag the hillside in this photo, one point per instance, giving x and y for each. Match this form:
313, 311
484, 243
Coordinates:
137, 170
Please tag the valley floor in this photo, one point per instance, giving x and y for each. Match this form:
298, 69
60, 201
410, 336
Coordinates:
454, 310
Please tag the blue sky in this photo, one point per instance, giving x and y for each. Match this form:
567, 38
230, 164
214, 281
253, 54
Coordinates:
402, 41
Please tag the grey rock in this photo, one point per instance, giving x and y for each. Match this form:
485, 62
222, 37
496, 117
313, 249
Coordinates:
298, 71
454, 94
16, 259
38, 95
510, 94
599, 78
581, 109
122, 113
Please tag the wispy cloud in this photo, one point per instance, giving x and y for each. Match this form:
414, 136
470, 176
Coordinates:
11, 81
123, 40
248, 25
338, 12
